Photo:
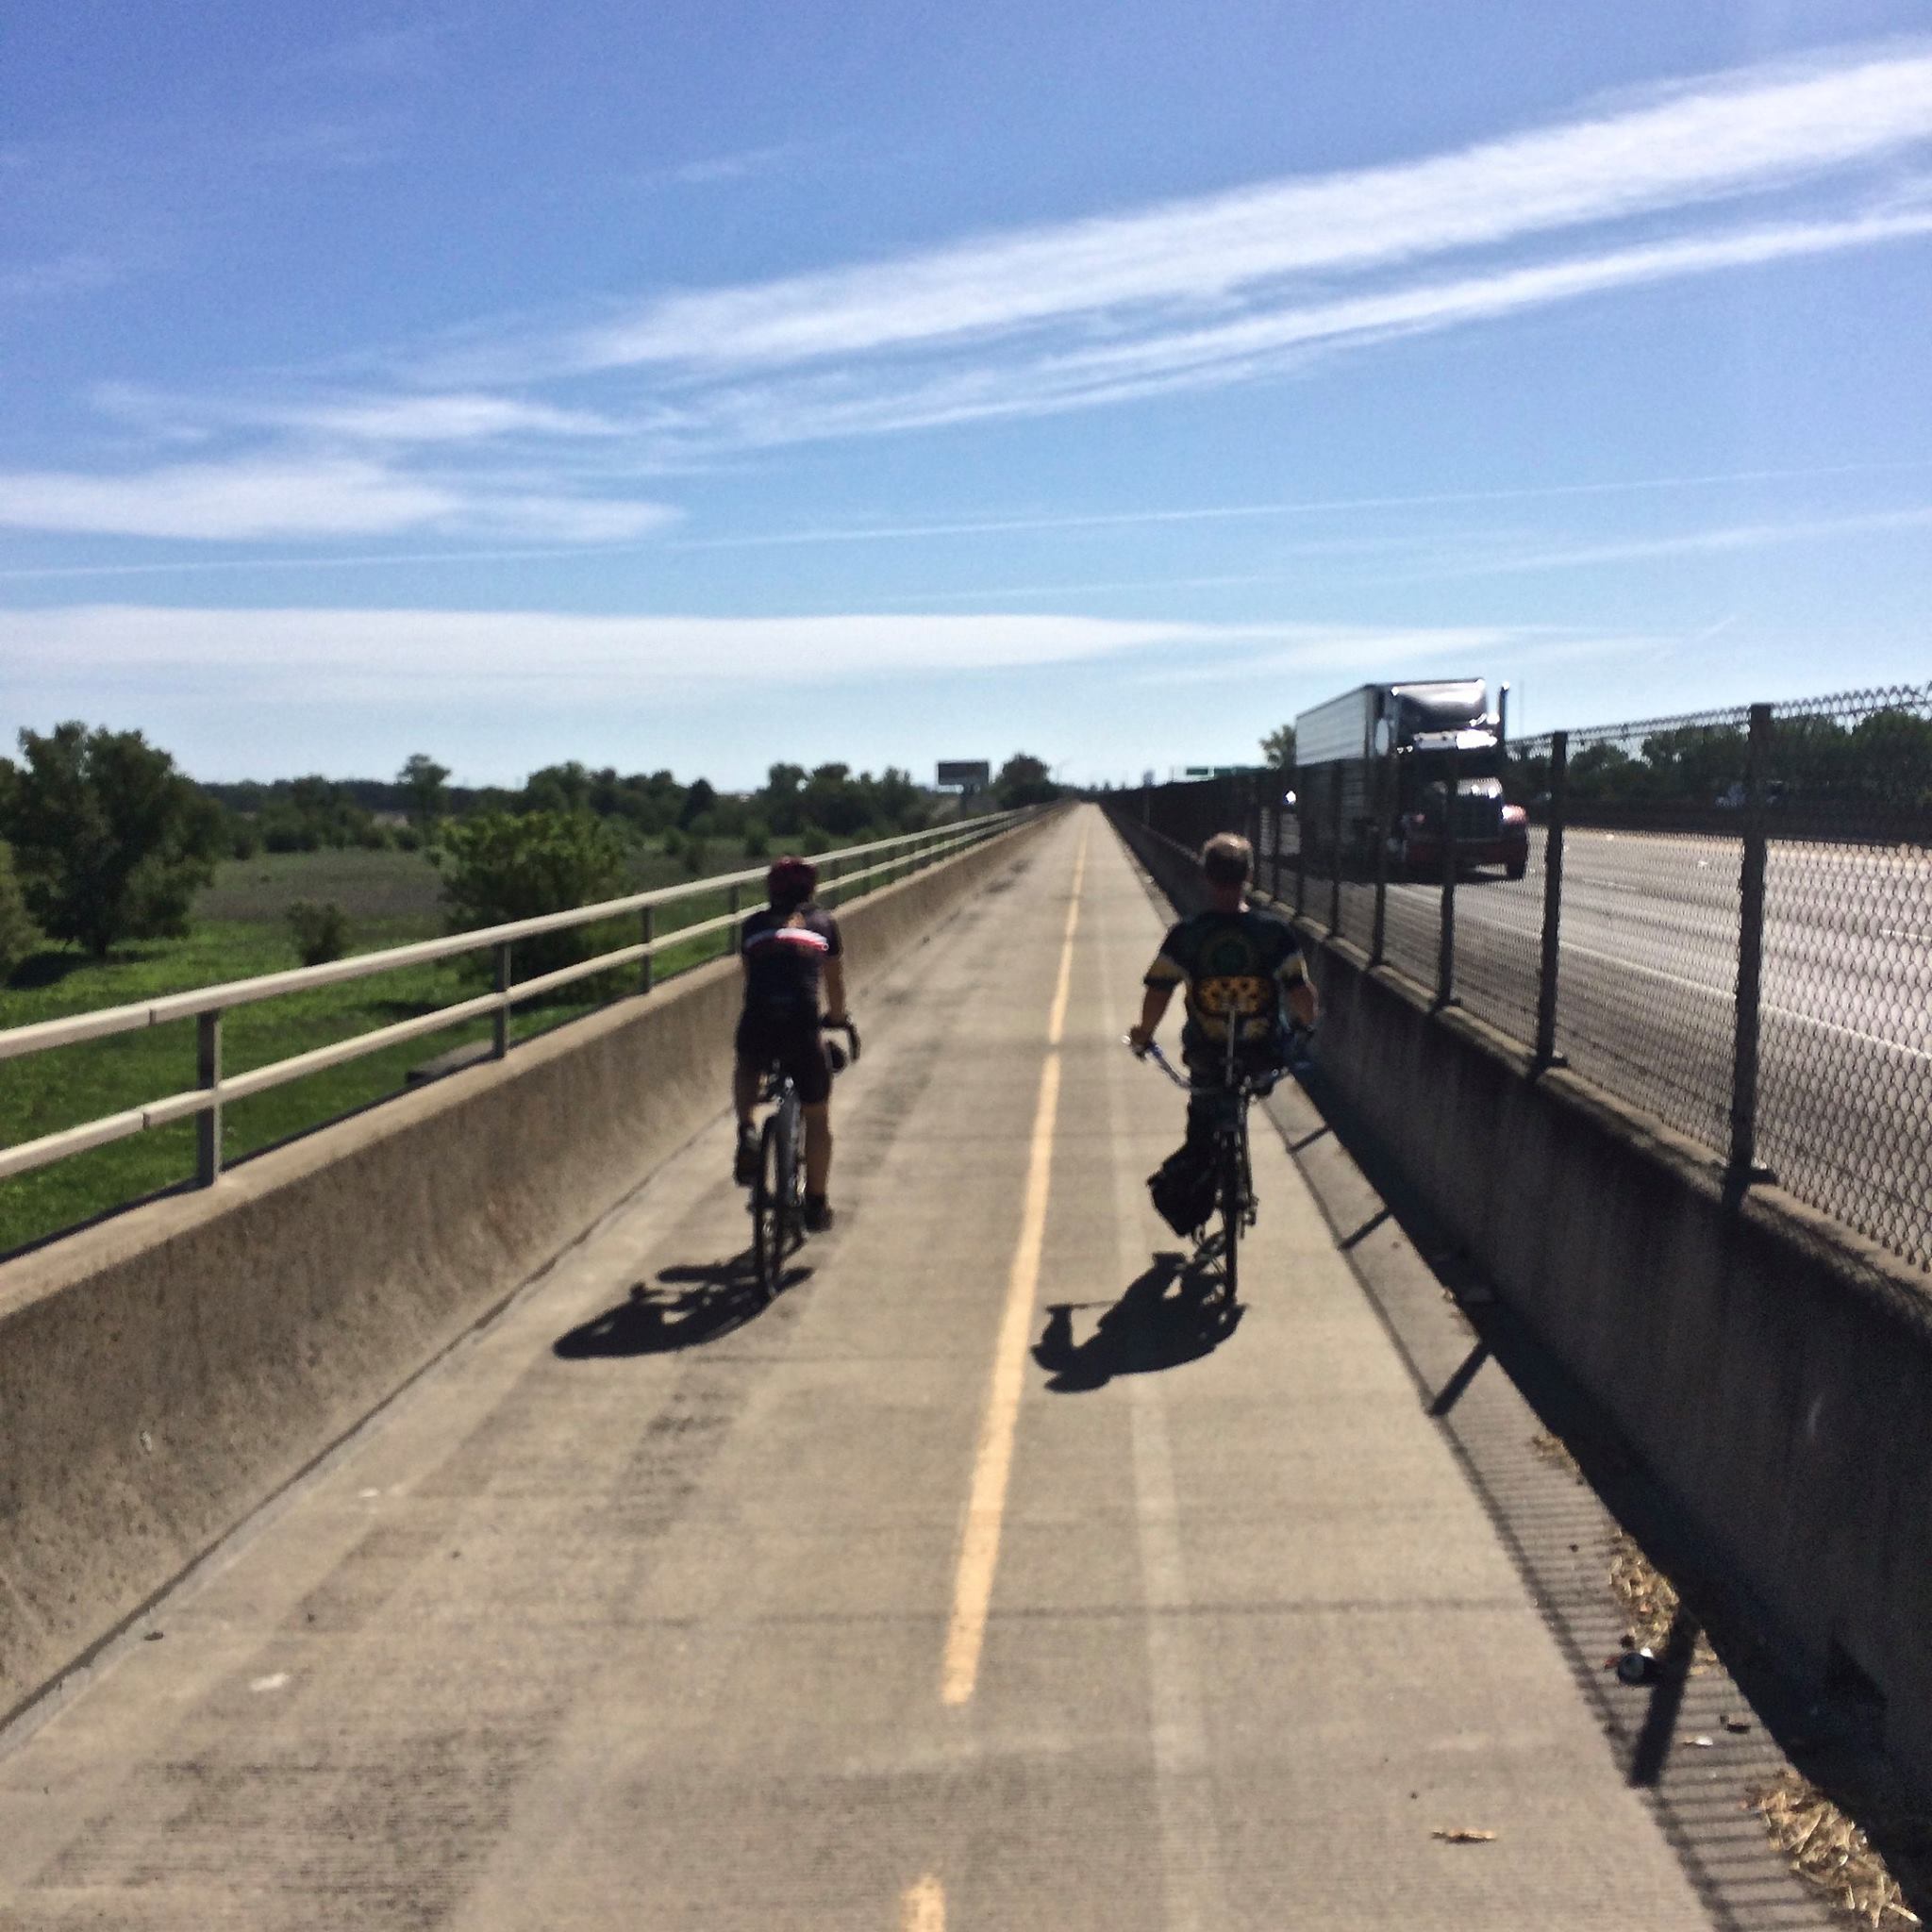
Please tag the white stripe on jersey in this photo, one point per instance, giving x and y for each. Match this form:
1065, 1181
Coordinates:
792, 936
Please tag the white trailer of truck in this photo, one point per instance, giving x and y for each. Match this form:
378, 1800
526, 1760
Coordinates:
1375, 764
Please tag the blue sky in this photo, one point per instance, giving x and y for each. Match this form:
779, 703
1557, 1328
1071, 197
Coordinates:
702, 385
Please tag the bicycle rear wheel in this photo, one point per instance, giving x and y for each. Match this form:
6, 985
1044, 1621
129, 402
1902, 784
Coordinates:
1234, 1207
769, 1208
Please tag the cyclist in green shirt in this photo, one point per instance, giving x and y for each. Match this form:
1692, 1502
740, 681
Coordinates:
1242, 968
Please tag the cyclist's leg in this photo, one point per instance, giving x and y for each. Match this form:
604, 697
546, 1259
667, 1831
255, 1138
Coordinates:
806, 1061
818, 1148
752, 1054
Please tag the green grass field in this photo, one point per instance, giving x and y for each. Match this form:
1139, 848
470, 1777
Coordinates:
238, 932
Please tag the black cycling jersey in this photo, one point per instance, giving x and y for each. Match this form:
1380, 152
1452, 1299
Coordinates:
784, 958
1237, 967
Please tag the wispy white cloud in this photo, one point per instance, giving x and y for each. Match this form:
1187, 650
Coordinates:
811, 406
713, 169
1288, 508
247, 500
76, 273
1769, 535
544, 657
1239, 286
453, 417
1698, 145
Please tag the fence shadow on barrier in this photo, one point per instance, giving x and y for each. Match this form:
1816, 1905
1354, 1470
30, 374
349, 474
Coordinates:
687, 1306
1147, 1329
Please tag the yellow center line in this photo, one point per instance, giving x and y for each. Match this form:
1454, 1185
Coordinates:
924, 1906
986, 1508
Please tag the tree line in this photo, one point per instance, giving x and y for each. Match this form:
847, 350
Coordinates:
104, 840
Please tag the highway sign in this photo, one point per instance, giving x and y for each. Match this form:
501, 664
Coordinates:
971, 773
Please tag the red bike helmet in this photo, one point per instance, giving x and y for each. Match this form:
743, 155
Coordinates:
791, 881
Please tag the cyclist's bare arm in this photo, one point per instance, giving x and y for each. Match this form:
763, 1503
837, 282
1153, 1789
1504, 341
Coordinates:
1154, 1004
1302, 1002
835, 991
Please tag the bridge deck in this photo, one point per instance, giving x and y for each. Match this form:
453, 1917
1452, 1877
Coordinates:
637, 1613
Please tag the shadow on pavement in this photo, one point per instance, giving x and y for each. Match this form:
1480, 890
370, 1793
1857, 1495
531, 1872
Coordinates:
1148, 1328
686, 1307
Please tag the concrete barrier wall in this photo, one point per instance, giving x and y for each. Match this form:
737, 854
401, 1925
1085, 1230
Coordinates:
165, 1372
1772, 1369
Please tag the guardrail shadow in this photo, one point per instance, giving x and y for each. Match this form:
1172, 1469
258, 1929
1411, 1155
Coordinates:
1147, 1329
686, 1307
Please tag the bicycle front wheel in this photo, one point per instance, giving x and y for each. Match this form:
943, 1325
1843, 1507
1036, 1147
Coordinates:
768, 1205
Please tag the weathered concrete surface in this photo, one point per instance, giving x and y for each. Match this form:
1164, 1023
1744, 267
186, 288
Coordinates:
632, 1613
1772, 1369
162, 1374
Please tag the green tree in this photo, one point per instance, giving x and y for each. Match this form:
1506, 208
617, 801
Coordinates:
18, 935
428, 795
502, 866
1278, 747
112, 842
1024, 780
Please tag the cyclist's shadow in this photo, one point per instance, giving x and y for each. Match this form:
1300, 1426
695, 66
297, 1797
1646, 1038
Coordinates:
684, 1307
1148, 1328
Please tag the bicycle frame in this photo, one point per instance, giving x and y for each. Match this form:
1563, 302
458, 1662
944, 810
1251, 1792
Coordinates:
1234, 1178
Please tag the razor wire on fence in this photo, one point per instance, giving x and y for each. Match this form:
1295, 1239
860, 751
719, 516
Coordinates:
1725, 919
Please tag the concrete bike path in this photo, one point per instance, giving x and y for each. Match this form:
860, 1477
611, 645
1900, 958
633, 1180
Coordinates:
972, 1584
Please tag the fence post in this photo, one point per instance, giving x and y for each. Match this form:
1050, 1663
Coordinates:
647, 931
1335, 849
1301, 847
1744, 1165
499, 1021
737, 931
1546, 1054
1445, 957
207, 1076
1378, 937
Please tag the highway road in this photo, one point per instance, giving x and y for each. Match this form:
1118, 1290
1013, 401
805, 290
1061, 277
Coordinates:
1647, 983
975, 1582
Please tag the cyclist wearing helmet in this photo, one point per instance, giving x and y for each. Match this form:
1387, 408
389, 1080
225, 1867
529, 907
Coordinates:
1242, 969
789, 948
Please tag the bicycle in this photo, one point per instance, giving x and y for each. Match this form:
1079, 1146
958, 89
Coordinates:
1234, 1181
778, 1196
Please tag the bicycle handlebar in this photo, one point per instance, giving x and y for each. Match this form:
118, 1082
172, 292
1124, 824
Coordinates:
847, 1028
1299, 1036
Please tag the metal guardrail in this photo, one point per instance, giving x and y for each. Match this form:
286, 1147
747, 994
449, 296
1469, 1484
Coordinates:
909, 852
1726, 920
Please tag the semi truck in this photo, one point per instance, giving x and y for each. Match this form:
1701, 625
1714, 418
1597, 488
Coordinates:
1373, 765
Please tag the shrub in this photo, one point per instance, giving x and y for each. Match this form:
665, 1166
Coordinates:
758, 839
502, 866
320, 931
18, 935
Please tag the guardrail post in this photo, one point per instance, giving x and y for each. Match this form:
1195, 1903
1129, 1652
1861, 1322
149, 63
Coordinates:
1335, 850
499, 1021
1378, 935
1744, 1165
647, 931
1546, 1054
1446, 957
207, 1076
737, 905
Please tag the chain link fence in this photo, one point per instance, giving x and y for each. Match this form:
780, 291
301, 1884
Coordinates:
1725, 919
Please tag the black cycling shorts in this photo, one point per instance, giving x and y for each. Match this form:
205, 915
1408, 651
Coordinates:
793, 1042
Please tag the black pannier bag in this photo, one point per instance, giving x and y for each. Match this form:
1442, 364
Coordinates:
1183, 1190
